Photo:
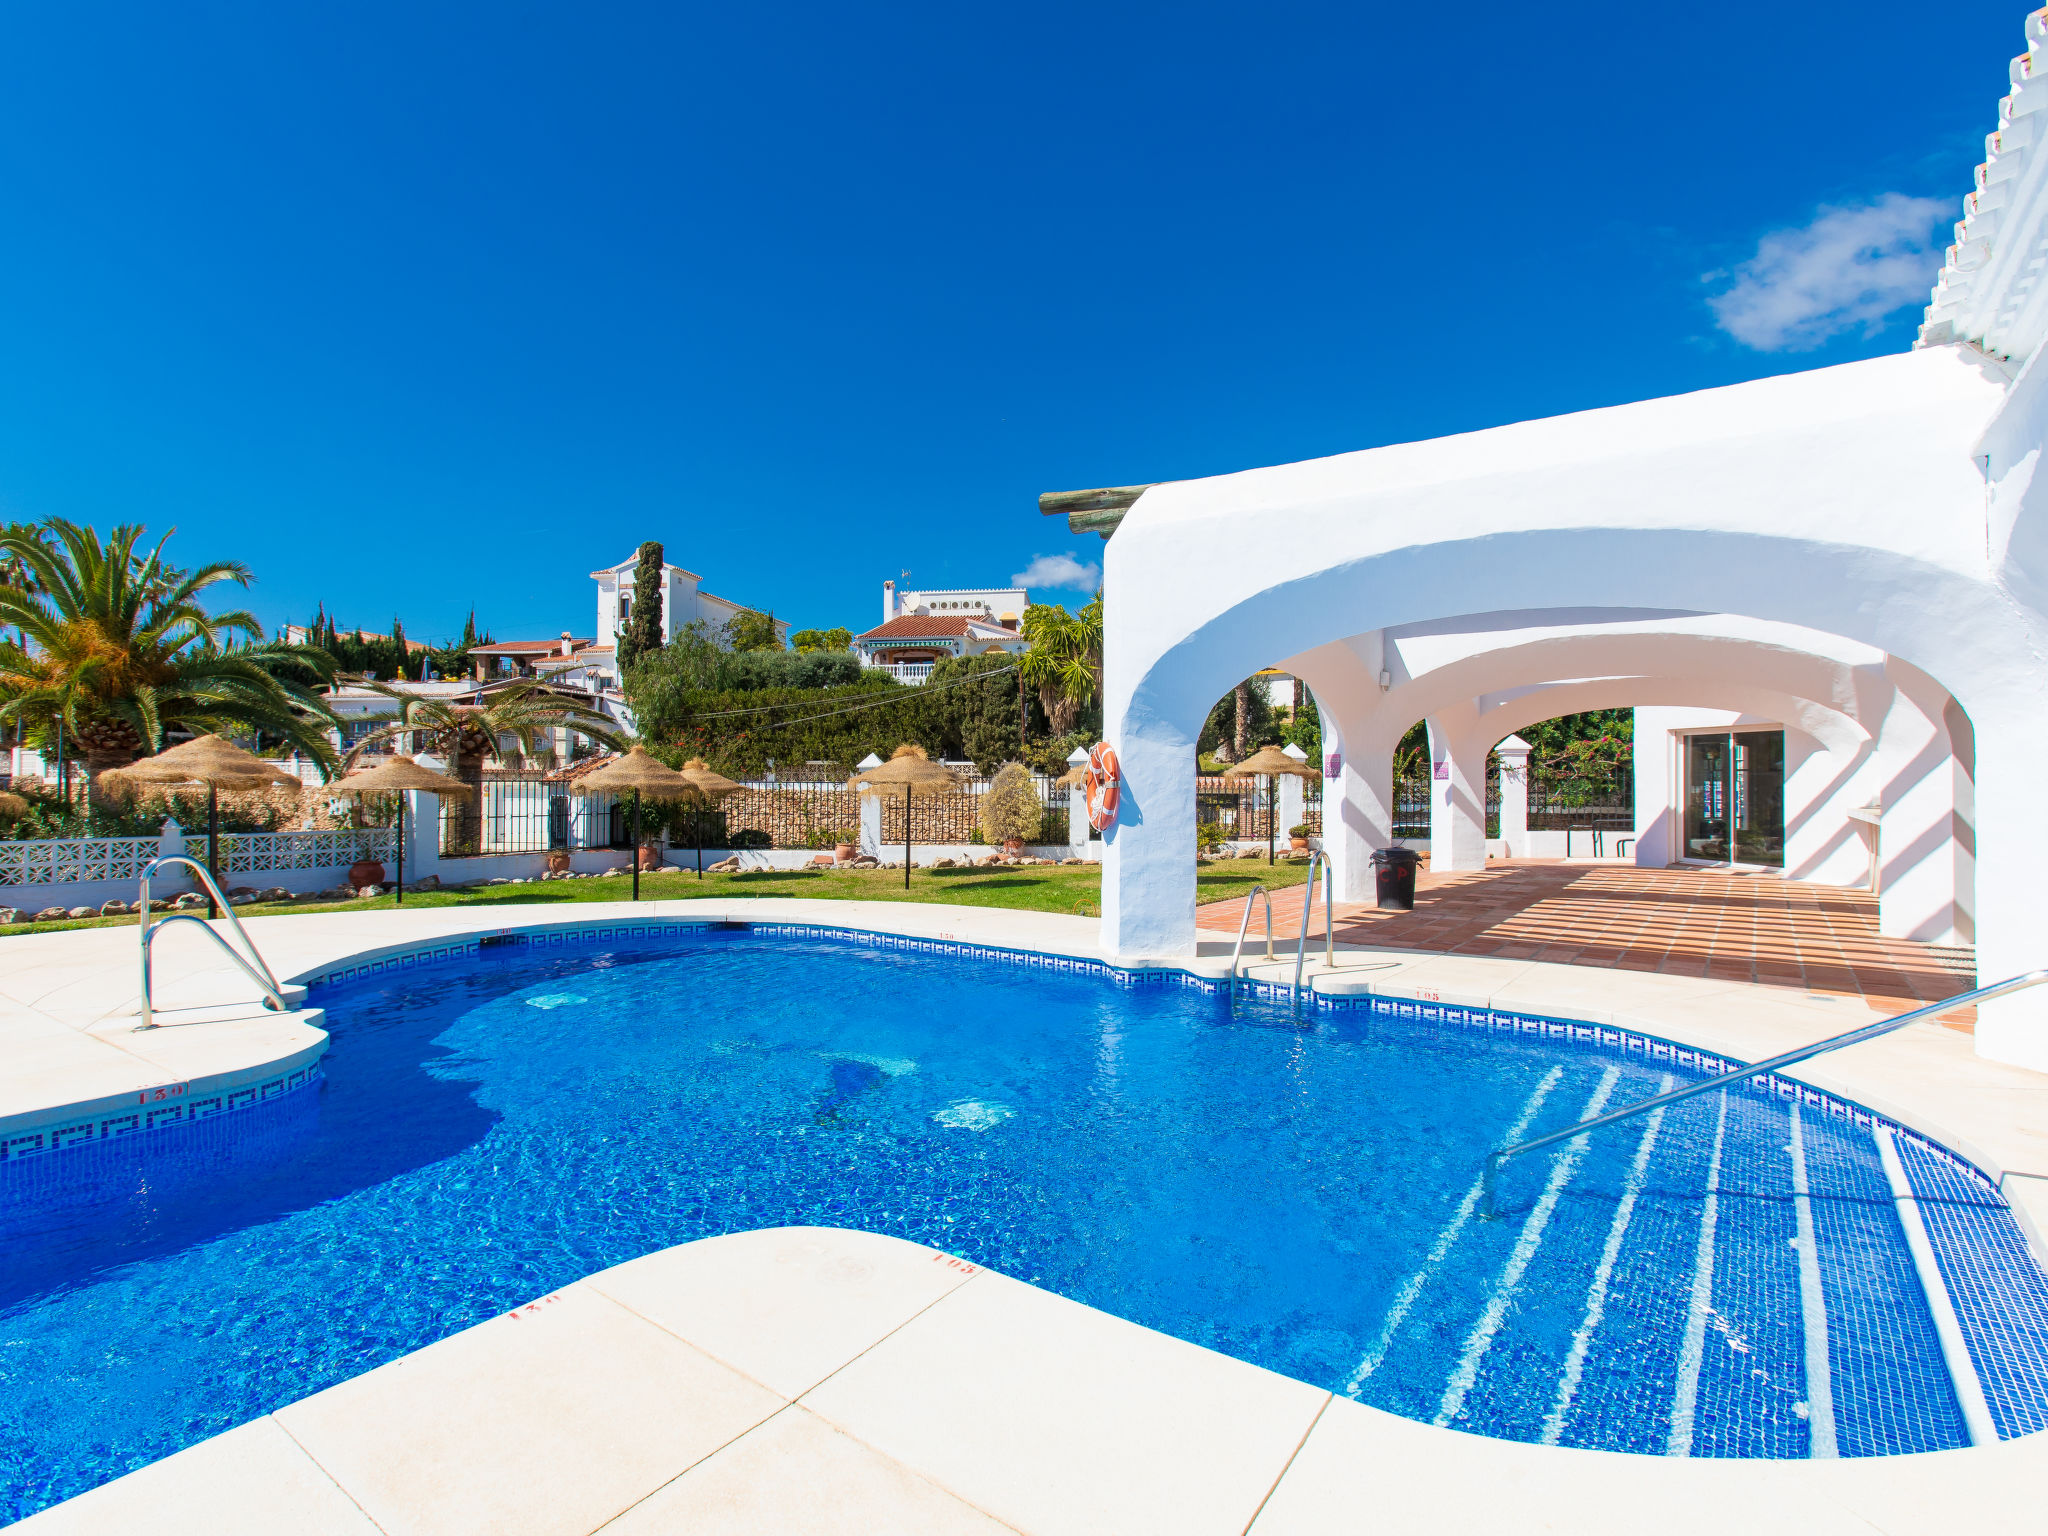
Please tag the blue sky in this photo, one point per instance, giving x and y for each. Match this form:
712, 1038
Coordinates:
424, 308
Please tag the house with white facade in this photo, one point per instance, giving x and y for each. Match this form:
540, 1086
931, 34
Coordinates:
921, 629
1825, 595
683, 600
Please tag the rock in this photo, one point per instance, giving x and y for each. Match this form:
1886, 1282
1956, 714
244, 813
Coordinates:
865, 861
729, 866
242, 893
1073, 861
115, 908
274, 893
50, 915
187, 901
83, 912
10, 915
945, 864
825, 861
367, 892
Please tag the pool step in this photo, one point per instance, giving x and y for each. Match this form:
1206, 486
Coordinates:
1702, 1282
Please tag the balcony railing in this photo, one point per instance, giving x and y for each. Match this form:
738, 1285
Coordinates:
907, 671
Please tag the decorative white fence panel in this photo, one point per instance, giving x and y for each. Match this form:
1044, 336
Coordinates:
251, 853
81, 860
70, 860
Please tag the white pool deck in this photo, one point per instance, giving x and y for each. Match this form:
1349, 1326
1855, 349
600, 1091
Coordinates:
843, 1381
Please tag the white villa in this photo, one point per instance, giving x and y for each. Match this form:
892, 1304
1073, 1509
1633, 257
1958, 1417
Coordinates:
683, 600
1825, 594
921, 629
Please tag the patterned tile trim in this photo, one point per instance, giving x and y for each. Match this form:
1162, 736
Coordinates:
172, 1104
1602, 1038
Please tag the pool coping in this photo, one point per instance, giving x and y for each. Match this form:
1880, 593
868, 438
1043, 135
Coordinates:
743, 1382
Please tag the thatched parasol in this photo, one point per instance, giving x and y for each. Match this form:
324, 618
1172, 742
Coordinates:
210, 760
12, 807
710, 785
391, 776
908, 769
643, 776
1272, 762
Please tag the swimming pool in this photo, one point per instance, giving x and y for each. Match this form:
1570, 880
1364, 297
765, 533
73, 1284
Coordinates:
1292, 1191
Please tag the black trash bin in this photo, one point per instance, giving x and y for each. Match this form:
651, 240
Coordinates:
1393, 878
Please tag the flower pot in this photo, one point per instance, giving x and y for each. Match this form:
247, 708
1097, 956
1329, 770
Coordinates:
650, 855
1298, 844
558, 861
844, 851
365, 872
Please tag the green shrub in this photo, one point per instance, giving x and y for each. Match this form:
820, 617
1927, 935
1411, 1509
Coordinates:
1010, 809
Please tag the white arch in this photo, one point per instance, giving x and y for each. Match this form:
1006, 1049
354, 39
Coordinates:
1849, 501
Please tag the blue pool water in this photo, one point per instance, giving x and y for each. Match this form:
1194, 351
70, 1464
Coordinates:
1288, 1191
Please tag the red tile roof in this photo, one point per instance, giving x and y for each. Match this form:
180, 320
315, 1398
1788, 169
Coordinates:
915, 627
525, 647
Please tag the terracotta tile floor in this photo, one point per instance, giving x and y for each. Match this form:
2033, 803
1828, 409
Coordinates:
1681, 922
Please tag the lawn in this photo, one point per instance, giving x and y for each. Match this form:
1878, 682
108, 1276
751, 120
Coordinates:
1069, 888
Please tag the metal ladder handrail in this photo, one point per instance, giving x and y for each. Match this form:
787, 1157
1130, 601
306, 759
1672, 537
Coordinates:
1316, 860
1498, 1157
1244, 923
259, 973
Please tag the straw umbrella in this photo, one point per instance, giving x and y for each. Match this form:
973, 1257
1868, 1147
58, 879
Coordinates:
643, 775
1272, 762
210, 760
12, 807
908, 769
711, 785
395, 775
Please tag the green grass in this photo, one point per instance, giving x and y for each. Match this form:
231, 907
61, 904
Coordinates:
1073, 889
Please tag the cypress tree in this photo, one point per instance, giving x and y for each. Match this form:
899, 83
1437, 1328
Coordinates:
643, 626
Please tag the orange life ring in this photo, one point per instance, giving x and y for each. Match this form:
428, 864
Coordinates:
1101, 779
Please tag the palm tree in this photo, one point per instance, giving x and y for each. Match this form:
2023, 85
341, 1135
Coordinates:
466, 734
1065, 660
116, 647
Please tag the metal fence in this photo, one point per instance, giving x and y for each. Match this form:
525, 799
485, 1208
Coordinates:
534, 811
530, 810
1606, 803
1241, 809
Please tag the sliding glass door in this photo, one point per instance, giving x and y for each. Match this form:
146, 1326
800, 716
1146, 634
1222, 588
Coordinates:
1735, 798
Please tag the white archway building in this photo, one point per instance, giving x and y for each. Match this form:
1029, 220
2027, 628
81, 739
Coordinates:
1855, 556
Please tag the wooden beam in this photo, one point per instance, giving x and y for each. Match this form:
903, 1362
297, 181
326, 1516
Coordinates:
1092, 511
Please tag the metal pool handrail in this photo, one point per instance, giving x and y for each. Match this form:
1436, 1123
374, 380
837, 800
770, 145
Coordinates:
1244, 923
258, 972
1316, 860
1498, 1157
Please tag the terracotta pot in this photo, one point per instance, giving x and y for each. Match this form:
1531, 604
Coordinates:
844, 851
365, 872
558, 861
1298, 844
650, 856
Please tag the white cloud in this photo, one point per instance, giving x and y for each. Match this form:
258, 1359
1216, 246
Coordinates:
1062, 572
1850, 267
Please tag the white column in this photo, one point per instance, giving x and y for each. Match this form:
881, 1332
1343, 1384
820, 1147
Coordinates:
870, 813
1457, 802
1292, 795
170, 842
1077, 806
1514, 795
1148, 857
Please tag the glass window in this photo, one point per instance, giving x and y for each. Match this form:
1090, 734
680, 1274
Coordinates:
1735, 798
